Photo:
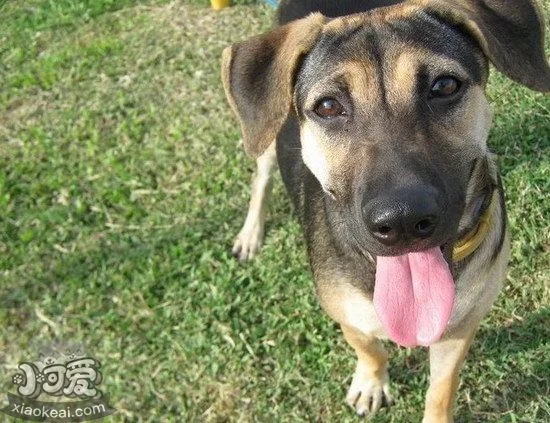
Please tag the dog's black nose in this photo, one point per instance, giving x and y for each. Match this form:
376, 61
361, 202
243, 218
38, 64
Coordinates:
407, 215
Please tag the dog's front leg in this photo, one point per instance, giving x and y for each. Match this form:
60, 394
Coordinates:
370, 385
251, 235
446, 359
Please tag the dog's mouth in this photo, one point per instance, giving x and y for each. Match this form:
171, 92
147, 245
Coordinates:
414, 292
414, 296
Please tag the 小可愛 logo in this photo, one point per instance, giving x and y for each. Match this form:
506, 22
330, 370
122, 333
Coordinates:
59, 387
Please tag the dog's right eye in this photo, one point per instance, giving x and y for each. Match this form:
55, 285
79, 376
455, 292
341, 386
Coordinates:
329, 108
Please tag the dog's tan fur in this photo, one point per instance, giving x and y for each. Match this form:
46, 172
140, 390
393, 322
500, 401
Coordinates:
250, 237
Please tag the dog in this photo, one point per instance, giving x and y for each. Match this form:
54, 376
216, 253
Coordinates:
375, 112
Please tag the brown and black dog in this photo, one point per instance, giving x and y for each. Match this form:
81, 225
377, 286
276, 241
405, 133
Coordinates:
376, 114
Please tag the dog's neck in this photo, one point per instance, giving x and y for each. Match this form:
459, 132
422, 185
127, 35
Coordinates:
473, 239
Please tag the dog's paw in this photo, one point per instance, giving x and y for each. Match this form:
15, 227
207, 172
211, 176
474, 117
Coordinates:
248, 242
367, 393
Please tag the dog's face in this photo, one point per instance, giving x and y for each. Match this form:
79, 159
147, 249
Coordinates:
392, 112
393, 120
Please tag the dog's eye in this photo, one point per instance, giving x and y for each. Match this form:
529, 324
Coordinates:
328, 108
444, 86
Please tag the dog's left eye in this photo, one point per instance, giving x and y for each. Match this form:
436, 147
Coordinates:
328, 108
444, 86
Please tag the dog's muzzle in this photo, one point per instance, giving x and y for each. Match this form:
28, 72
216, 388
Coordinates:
402, 217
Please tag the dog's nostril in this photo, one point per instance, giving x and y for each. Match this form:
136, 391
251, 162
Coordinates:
424, 227
384, 230
386, 234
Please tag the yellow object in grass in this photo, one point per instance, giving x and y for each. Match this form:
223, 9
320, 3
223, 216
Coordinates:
220, 4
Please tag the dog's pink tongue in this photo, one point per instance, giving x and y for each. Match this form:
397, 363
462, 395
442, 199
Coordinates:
414, 296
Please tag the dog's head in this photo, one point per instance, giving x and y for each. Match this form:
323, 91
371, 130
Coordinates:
391, 107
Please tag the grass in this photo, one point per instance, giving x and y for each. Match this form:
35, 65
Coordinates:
122, 187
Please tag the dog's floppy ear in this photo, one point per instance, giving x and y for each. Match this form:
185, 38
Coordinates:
510, 32
258, 75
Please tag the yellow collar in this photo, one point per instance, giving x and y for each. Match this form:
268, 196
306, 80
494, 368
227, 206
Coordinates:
473, 239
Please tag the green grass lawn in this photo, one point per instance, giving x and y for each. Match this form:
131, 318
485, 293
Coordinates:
122, 186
